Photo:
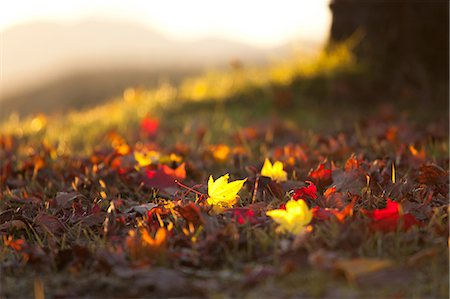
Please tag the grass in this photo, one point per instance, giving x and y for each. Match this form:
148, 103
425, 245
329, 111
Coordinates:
89, 241
79, 130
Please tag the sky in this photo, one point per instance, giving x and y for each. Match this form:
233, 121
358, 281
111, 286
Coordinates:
261, 23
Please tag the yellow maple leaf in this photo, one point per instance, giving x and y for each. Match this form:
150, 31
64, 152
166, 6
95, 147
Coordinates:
146, 158
294, 219
221, 193
275, 171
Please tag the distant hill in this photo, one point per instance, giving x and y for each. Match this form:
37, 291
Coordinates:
59, 65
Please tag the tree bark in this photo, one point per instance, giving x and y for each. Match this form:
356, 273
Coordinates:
405, 44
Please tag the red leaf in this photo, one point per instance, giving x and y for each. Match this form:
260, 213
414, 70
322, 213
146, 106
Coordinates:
306, 192
321, 176
390, 211
149, 125
191, 213
15, 244
391, 217
164, 177
158, 179
243, 215
327, 213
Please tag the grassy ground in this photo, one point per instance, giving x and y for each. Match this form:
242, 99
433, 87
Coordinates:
90, 208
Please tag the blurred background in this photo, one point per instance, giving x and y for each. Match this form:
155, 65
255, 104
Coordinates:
60, 55
79, 63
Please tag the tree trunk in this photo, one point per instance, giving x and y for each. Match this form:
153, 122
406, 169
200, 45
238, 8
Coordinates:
405, 44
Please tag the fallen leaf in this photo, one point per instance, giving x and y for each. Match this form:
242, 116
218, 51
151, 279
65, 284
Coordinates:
309, 192
223, 194
356, 268
149, 125
64, 199
243, 215
191, 213
49, 222
13, 225
392, 217
321, 176
275, 171
294, 218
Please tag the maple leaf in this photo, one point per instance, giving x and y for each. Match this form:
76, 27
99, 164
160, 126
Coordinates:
294, 218
275, 171
145, 247
327, 213
146, 158
305, 192
220, 152
164, 177
243, 215
222, 193
389, 218
191, 213
321, 176
149, 125
11, 242
157, 241
178, 173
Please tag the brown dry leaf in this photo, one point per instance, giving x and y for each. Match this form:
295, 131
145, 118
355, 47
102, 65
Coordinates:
356, 268
49, 222
13, 225
349, 181
93, 219
432, 175
64, 199
422, 256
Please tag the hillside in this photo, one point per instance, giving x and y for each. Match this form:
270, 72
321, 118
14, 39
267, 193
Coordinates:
50, 67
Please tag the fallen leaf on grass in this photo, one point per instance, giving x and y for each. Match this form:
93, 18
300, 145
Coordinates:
146, 158
294, 218
321, 176
141, 246
220, 152
275, 171
221, 193
243, 215
434, 176
422, 256
49, 222
306, 192
356, 268
13, 225
392, 217
191, 213
15, 244
149, 125
64, 199
164, 177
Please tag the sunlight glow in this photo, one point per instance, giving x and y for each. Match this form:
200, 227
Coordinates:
262, 23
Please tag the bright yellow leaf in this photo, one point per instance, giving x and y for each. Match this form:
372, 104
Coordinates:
167, 159
146, 158
275, 171
223, 194
294, 219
